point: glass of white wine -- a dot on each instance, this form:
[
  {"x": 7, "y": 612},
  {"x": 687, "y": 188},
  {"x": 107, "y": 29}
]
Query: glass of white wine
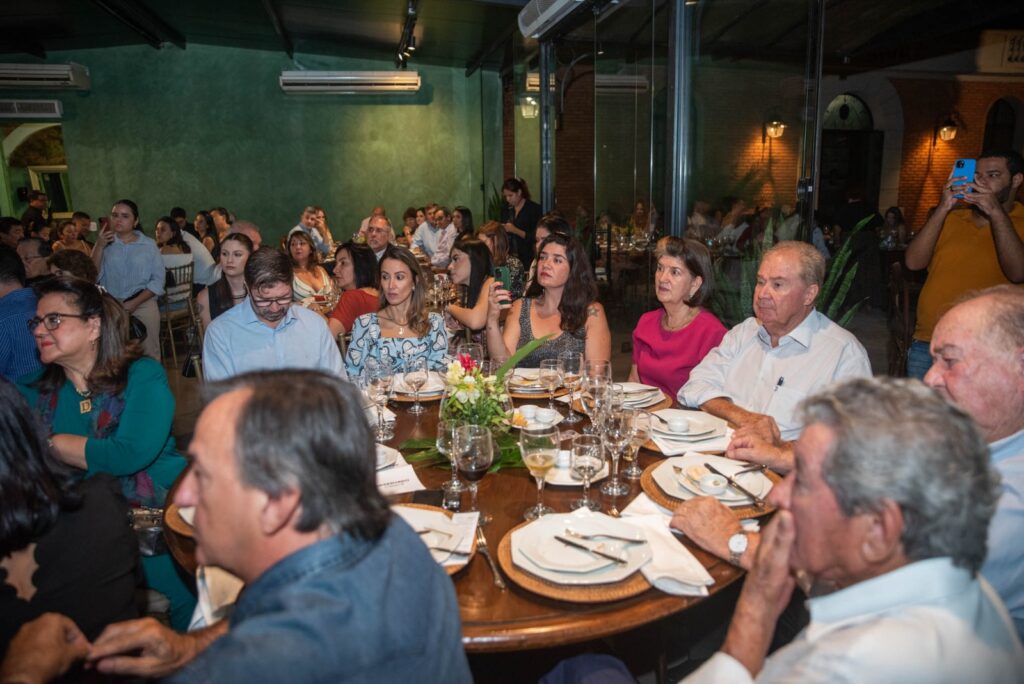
[
  {"x": 617, "y": 428},
  {"x": 587, "y": 461},
  {"x": 642, "y": 423},
  {"x": 416, "y": 377},
  {"x": 539, "y": 447},
  {"x": 550, "y": 376},
  {"x": 572, "y": 374}
]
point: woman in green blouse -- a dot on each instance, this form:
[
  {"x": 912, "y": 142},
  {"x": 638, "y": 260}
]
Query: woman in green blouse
[{"x": 107, "y": 407}]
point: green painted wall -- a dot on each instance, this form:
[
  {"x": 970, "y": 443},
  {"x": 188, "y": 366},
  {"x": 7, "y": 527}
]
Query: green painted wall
[{"x": 209, "y": 126}]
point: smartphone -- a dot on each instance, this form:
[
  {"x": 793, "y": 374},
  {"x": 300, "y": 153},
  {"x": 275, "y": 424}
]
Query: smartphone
[
  {"x": 966, "y": 168},
  {"x": 504, "y": 276}
]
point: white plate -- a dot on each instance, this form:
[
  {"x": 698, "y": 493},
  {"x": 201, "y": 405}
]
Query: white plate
[
  {"x": 691, "y": 439},
  {"x": 188, "y": 514},
  {"x": 529, "y": 536},
  {"x": 386, "y": 456},
  {"x": 656, "y": 398},
  {"x": 566, "y": 477},
  {"x": 701, "y": 424},
  {"x": 672, "y": 484},
  {"x": 551, "y": 554},
  {"x": 433, "y": 386},
  {"x": 586, "y": 521},
  {"x": 442, "y": 532}
]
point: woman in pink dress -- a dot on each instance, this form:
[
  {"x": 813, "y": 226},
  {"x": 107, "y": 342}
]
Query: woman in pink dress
[{"x": 668, "y": 342}]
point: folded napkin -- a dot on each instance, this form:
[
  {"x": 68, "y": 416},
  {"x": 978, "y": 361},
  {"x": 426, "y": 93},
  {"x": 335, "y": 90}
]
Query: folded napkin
[
  {"x": 673, "y": 569},
  {"x": 398, "y": 480},
  {"x": 462, "y": 527},
  {"x": 371, "y": 415},
  {"x": 672, "y": 448},
  {"x": 217, "y": 591},
  {"x": 644, "y": 505}
]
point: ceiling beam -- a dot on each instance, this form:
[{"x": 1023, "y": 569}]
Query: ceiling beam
[
  {"x": 729, "y": 25},
  {"x": 150, "y": 26},
  {"x": 275, "y": 19}
]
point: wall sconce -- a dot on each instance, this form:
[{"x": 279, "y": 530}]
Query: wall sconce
[
  {"x": 529, "y": 107},
  {"x": 772, "y": 129},
  {"x": 946, "y": 129}
]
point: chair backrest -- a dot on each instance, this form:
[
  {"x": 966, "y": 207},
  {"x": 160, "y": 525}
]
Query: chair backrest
[
  {"x": 179, "y": 280},
  {"x": 901, "y": 320},
  {"x": 342, "y": 343}
]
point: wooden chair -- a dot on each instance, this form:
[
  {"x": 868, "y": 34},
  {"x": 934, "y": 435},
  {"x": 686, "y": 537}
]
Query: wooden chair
[
  {"x": 177, "y": 308},
  {"x": 343, "y": 343}
]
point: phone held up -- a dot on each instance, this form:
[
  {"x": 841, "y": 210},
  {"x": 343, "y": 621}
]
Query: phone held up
[
  {"x": 504, "y": 276},
  {"x": 965, "y": 168}
]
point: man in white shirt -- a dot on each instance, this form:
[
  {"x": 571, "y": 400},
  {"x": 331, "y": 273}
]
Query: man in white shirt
[
  {"x": 888, "y": 524},
  {"x": 266, "y": 331},
  {"x": 436, "y": 238},
  {"x": 378, "y": 212},
  {"x": 204, "y": 268},
  {"x": 768, "y": 363}
]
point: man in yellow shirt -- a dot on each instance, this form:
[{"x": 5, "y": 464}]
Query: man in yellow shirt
[{"x": 968, "y": 248}]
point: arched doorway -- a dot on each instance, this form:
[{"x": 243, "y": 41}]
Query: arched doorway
[
  {"x": 1003, "y": 130},
  {"x": 851, "y": 154}
]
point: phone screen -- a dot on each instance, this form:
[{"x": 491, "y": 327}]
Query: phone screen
[{"x": 965, "y": 168}]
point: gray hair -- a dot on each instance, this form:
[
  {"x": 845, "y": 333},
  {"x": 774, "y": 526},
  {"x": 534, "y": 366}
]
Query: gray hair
[
  {"x": 896, "y": 440},
  {"x": 306, "y": 430},
  {"x": 812, "y": 264},
  {"x": 1005, "y": 310},
  {"x": 267, "y": 267}
]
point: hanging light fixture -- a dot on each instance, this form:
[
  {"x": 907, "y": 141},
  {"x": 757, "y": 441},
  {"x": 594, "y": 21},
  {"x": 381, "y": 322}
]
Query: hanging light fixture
[
  {"x": 947, "y": 131},
  {"x": 775, "y": 128},
  {"x": 529, "y": 107}
]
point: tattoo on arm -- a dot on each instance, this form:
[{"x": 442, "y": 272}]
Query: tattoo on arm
[{"x": 592, "y": 310}]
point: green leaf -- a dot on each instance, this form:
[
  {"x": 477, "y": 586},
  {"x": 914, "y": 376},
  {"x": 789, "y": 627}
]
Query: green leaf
[
  {"x": 521, "y": 354},
  {"x": 419, "y": 443}
]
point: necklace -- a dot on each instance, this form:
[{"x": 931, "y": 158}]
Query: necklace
[
  {"x": 84, "y": 406},
  {"x": 238, "y": 296},
  {"x": 685, "y": 322},
  {"x": 401, "y": 326}
]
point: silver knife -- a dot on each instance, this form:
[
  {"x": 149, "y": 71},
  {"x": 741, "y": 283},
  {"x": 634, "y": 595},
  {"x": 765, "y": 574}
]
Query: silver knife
[
  {"x": 596, "y": 552},
  {"x": 758, "y": 501}
]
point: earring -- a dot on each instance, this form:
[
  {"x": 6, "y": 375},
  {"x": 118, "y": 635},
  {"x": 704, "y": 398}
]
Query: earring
[{"x": 92, "y": 344}]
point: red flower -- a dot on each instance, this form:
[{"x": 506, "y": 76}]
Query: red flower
[{"x": 467, "y": 362}]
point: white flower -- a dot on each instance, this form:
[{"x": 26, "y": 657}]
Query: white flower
[{"x": 462, "y": 396}]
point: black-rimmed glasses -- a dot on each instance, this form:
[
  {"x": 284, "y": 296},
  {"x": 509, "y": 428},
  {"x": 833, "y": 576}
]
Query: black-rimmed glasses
[
  {"x": 51, "y": 321},
  {"x": 280, "y": 301}
]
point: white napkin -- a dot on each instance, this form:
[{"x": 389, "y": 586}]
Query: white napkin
[
  {"x": 644, "y": 505},
  {"x": 217, "y": 591},
  {"x": 461, "y": 525},
  {"x": 673, "y": 569},
  {"x": 371, "y": 415},
  {"x": 707, "y": 445},
  {"x": 398, "y": 480}
]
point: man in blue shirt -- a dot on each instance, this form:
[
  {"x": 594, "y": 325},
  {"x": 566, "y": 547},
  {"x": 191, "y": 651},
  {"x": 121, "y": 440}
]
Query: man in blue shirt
[
  {"x": 18, "y": 353},
  {"x": 266, "y": 331},
  {"x": 309, "y": 224},
  {"x": 338, "y": 589}
]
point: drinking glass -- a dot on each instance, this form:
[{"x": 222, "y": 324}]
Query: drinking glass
[
  {"x": 572, "y": 374},
  {"x": 550, "y": 375},
  {"x": 445, "y": 440},
  {"x": 474, "y": 454},
  {"x": 596, "y": 375},
  {"x": 539, "y": 447},
  {"x": 416, "y": 377},
  {"x": 594, "y": 399},
  {"x": 617, "y": 427},
  {"x": 587, "y": 461},
  {"x": 642, "y": 423},
  {"x": 377, "y": 379},
  {"x": 473, "y": 350}
]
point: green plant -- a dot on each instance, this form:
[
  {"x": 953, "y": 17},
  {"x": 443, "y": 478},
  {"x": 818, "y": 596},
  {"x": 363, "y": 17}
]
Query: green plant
[{"x": 831, "y": 299}]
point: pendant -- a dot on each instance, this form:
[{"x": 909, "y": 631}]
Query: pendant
[{"x": 85, "y": 406}]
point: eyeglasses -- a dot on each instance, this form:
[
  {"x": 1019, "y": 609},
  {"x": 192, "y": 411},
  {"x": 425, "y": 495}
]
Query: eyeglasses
[
  {"x": 51, "y": 321},
  {"x": 280, "y": 301}
]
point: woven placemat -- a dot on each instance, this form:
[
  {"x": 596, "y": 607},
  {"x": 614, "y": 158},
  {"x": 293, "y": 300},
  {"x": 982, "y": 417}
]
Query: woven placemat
[
  {"x": 450, "y": 569},
  {"x": 409, "y": 398},
  {"x": 177, "y": 524},
  {"x": 658, "y": 495},
  {"x": 536, "y": 396},
  {"x": 633, "y": 585}
]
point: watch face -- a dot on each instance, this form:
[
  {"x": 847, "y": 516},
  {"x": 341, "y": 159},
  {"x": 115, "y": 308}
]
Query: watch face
[{"x": 738, "y": 543}]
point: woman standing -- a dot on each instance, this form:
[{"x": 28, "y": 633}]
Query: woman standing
[
  {"x": 230, "y": 287},
  {"x": 311, "y": 280},
  {"x": 107, "y": 408},
  {"x": 561, "y": 302},
  {"x": 131, "y": 270},
  {"x": 402, "y": 330},
  {"x": 520, "y": 218},
  {"x": 669, "y": 342},
  {"x": 355, "y": 275}
]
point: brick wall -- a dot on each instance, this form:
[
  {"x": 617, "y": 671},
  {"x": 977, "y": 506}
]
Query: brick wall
[{"x": 925, "y": 103}]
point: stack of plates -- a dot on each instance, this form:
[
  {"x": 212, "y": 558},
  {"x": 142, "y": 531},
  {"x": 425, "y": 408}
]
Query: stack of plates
[
  {"x": 636, "y": 395},
  {"x": 434, "y": 387},
  {"x": 702, "y": 426},
  {"x": 536, "y": 550},
  {"x": 680, "y": 484},
  {"x": 526, "y": 381}
]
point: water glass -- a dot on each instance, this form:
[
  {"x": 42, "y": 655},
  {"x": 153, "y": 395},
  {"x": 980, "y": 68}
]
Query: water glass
[
  {"x": 445, "y": 446},
  {"x": 587, "y": 461},
  {"x": 572, "y": 375},
  {"x": 550, "y": 376},
  {"x": 474, "y": 453},
  {"x": 416, "y": 376},
  {"x": 473, "y": 350},
  {"x": 642, "y": 425},
  {"x": 539, "y": 447},
  {"x": 617, "y": 428}
]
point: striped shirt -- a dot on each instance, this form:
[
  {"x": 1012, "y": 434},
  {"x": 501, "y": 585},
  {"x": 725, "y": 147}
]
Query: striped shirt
[
  {"x": 128, "y": 267},
  {"x": 18, "y": 354}
]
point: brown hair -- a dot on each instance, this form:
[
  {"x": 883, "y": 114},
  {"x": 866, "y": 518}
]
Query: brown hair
[
  {"x": 314, "y": 254},
  {"x": 581, "y": 287},
  {"x": 499, "y": 240},
  {"x": 697, "y": 260},
  {"x": 419, "y": 321}
]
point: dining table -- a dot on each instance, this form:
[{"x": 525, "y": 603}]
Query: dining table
[{"x": 514, "y": 619}]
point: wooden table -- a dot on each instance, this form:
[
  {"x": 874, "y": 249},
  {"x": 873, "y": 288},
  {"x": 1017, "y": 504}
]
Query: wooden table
[{"x": 496, "y": 621}]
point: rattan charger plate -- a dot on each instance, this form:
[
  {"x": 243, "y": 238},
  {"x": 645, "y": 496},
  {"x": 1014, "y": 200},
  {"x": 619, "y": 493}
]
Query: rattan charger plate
[
  {"x": 411, "y": 398},
  {"x": 633, "y": 585},
  {"x": 177, "y": 524},
  {"x": 536, "y": 396},
  {"x": 664, "y": 500},
  {"x": 450, "y": 569}
]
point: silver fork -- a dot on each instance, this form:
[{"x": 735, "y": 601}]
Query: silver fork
[{"x": 481, "y": 546}]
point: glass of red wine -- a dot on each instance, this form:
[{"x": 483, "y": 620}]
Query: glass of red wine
[{"x": 474, "y": 453}]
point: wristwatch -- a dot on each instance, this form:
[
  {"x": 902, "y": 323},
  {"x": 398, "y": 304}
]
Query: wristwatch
[{"x": 737, "y": 546}]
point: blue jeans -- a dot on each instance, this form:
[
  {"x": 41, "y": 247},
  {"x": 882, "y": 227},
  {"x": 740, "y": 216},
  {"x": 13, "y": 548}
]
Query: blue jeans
[{"x": 919, "y": 359}]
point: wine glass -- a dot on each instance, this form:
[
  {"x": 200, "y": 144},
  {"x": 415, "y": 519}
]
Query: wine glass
[
  {"x": 594, "y": 399},
  {"x": 378, "y": 377},
  {"x": 617, "y": 428},
  {"x": 445, "y": 440},
  {"x": 572, "y": 374},
  {"x": 596, "y": 376},
  {"x": 473, "y": 350},
  {"x": 474, "y": 454},
  {"x": 642, "y": 424},
  {"x": 539, "y": 447},
  {"x": 550, "y": 376},
  {"x": 587, "y": 461},
  {"x": 416, "y": 377}
]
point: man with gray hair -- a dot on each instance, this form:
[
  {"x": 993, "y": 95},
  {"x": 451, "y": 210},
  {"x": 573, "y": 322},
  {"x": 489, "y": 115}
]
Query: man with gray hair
[
  {"x": 788, "y": 350},
  {"x": 379, "y": 234},
  {"x": 337, "y": 587},
  {"x": 885, "y": 514},
  {"x": 978, "y": 364},
  {"x": 267, "y": 330}
]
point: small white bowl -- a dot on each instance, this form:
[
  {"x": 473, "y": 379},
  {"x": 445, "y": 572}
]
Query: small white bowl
[
  {"x": 678, "y": 425},
  {"x": 713, "y": 484},
  {"x": 563, "y": 459},
  {"x": 546, "y": 416},
  {"x": 528, "y": 411}
]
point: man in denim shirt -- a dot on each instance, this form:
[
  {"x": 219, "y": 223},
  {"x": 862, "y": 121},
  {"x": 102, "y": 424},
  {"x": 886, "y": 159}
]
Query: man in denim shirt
[{"x": 337, "y": 588}]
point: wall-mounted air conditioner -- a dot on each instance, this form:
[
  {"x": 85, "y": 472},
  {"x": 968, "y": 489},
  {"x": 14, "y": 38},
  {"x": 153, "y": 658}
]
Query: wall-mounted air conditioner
[
  {"x": 30, "y": 109},
  {"x": 61, "y": 76},
  {"x": 349, "y": 82},
  {"x": 539, "y": 17}
]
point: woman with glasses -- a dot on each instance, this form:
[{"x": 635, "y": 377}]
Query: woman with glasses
[
  {"x": 229, "y": 289},
  {"x": 403, "y": 329},
  {"x": 108, "y": 408}
]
